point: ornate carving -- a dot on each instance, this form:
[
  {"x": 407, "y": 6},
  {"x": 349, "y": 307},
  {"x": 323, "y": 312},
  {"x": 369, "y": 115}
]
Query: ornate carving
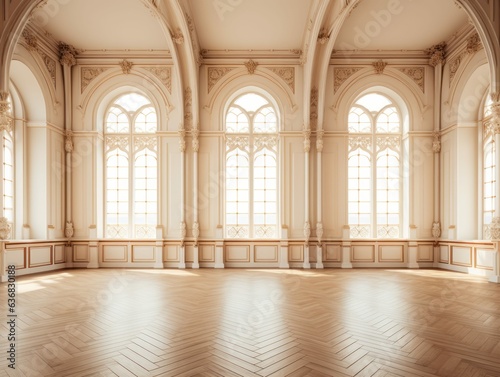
[
  {"x": 379, "y": 66},
  {"x": 5, "y": 228},
  {"x": 319, "y": 231},
  {"x": 88, "y": 74},
  {"x": 307, "y": 230},
  {"x": 50, "y": 64},
  {"x": 436, "y": 229},
  {"x": 437, "y": 54},
  {"x": 182, "y": 139},
  {"x": 341, "y": 75},
  {"x": 303, "y": 56},
  {"x": 68, "y": 142},
  {"x": 126, "y": 66},
  {"x": 314, "y": 107},
  {"x": 436, "y": 143},
  {"x": 307, "y": 139},
  {"x": 117, "y": 142},
  {"x": 145, "y": 142},
  {"x": 319, "y": 140},
  {"x": 473, "y": 44},
  {"x": 495, "y": 110},
  {"x": 5, "y": 118},
  {"x": 30, "y": 39},
  {"x": 363, "y": 142},
  {"x": 67, "y": 54},
  {"x": 323, "y": 36},
  {"x": 69, "y": 231},
  {"x": 188, "y": 104},
  {"x": 215, "y": 74},
  {"x": 391, "y": 142},
  {"x": 233, "y": 142},
  {"x": 196, "y": 231},
  {"x": 265, "y": 142},
  {"x": 196, "y": 140},
  {"x": 178, "y": 37},
  {"x": 164, "y": 74},
  {"x": 454, "y": 65},
  {"x": 183, "y": 230},
  {"x": 417, "y": 74},
  {"x": 495, "y": 229},
  {"x": 251, "y": 66},
  {"x": 286, "y": 73}
]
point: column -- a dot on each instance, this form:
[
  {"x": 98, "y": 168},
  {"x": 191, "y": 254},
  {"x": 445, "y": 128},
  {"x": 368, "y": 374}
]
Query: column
[
  {"x": 495, "y": 224},
  {"x": 5, "y": 125},
  {"x": 307, "y": 226},
  {"x": 437, "y": 61},
  {"x": 182, "y": 149},
  {"x": 319, "y": 225},
  {"x": 196, "y": 225},
  {"x": 4, "y": 234}
]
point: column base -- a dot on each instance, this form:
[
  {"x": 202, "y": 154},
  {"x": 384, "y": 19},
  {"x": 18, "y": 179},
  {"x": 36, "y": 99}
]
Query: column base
[
  {"x": 494, "y": 279},
  {"x": 319, "y": 258}
]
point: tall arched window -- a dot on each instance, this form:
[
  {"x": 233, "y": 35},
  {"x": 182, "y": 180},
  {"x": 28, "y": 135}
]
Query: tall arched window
[
  {"x": 251, "y": 168},
  {"x": 131, "y": 168},
  {"x": 374, "y": 168},
  {"x": 8, "y": 169},
  {"x": 489, "y": 181}
]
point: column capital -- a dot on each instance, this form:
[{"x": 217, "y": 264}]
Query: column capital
[
  {"x": 437, "y": 54},
  {"x": 67, "y": 54},
  {"x": 307, "y": 139},
  {"x": 436, "y": 143},
  {"x": 5, "y": 228},
  {"x": 5, "y": 118}
]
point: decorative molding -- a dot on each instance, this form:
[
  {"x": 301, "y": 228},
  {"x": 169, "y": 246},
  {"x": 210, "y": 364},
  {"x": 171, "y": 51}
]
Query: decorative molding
[
  {"x": 182, "y": 139},
  {"x": 285, "y": 73},
  {"x": 30, "y": 39},
  {"x": 68, "y": 142},
  {"x": 164, "y": 74},
  {"x": 234, "y": 141},
  {"x": 265, "y": 142},
  {"x": 319, "y": 231},
  {"x": 494, "y": 229},
  {"x": 314, "y": 108},
  {"x": 214, "y": 74},
  {"x": 454, "y": 65},
  {"x": 307, "y": 139},
  {"x": 196, "y": 231},
  {"x": 5, "y": 228},
  {"x": 437, "y": 54},
  {"x": 67, "y": 54},
  {"x": 436, "y": 229},
  {"x": 303, "y": 56},
  {"x": 183, "y": 231},
  {"x": 188, "y": 105},
  {"x": 5, "y": 119},
  {"x": 307, "y": 230},
  {"x": 117, "y": 142},
  {"x": 495, "y": 109},
  {"x": 251, "y": 66},
  {"x": 473, "y": 44},
  {"x": 126, "y": 66},
  {"x": 417, "y": 74},
  {"x": 87, "y": 74},
  {"x": 196, "y": 140},
  {"x": 363, "y": 142},
  {"x": 177, "y": 36},
  {"x": 340, "y": 75},
  {"x": 323, "y": 36},
  {"x": 436, "y": 143},
  {"x": 50, "y": 64},
  {"x": 379, "y": 66},
  {"x": 145, "y": 142},
  {"x": 388, "y": 142},
  {"x": 319, "y": 140},
  {"x": 69, "y": 231}
]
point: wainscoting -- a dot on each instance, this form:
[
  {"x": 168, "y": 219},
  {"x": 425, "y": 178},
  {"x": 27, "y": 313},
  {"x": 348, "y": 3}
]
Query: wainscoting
[{"x": 476, "y": 258}]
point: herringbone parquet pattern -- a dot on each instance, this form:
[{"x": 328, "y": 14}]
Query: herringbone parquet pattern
[{"x": 255, "y": 323}]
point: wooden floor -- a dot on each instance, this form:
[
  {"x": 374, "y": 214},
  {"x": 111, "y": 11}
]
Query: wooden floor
[{"x": 255, "y": 323}]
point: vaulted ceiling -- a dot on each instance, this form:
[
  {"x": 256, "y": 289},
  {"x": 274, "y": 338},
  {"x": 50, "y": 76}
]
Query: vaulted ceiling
[{"x": 222, "y": 25}]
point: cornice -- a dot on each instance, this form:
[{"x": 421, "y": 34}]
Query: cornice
[
  {"x": 228, "y": 55},
  {"x": 457, "y": 42},
  {"x": 368, "y": 56}
]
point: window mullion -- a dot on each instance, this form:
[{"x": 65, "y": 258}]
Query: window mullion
[
  {"x": 251, "y": 154},
  {"x": 374, "y": 155},
  {"x": 131, "y": 185}
]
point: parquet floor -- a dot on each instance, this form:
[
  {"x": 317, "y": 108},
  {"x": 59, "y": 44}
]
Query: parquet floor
[{"x": 255, "y": 323}]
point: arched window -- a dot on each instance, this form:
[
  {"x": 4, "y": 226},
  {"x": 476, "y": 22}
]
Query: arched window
[
  {"x": 251, "y": 168},
  {"x": 374, "y": 168},
  {"x": 489, "y": 168},
  {"x": 131, "y": 168},
  {"x": 8, "y": 169}
]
